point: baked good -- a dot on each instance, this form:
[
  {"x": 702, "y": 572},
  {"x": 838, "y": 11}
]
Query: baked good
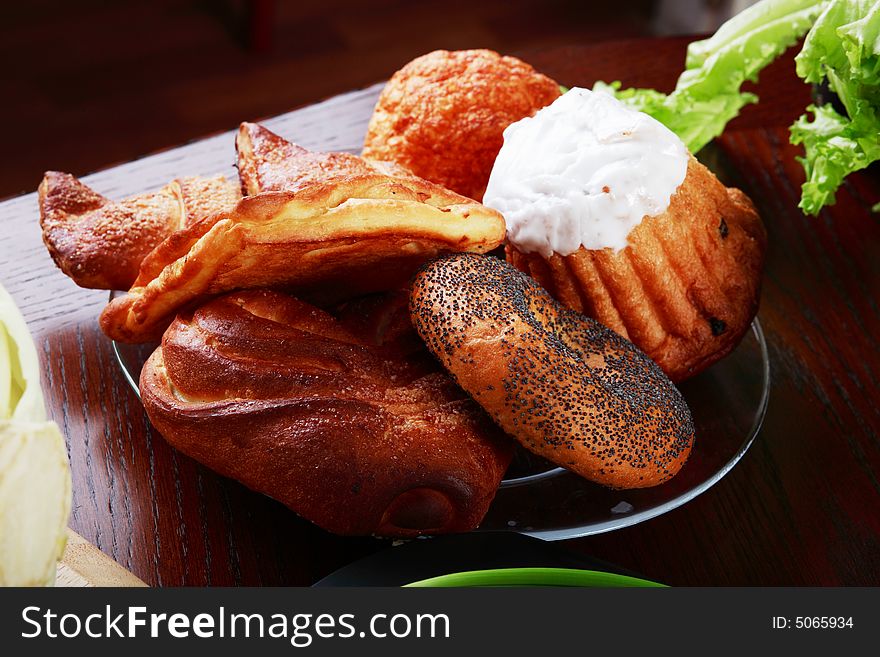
[
  {"x": 442, "y": 115},
  {"x": 100, "y": 243},
  {"x": 687, "y": 287},
  {"x": 334, "y": 240},
  {"x": 270, "y": 163},
  {"x": 608, "y": 211},
  {"x": 205, "y": 196},
  {"x": 566, "y": 387},
  {"x": 340, "y": 421}
]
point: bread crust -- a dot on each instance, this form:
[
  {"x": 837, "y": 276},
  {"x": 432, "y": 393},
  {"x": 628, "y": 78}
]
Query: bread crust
[
  {"x": 97, "y": 242},
  {"x": 442, "y": 115},
  {"x": 334, "y": 240},
  {"x": 566, "y": 387},
  {"x": 349, "y": 423},
  {"x": 101, "y": 243},
  {"x": 270, "y": 163},
  {"x": 686, "y": 288}
]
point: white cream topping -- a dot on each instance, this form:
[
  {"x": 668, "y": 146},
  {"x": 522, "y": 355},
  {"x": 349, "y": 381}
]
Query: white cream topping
[{"x": 583, "y": 171}]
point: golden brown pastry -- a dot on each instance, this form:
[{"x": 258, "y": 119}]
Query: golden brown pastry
[
  {"x": 100, "y": 243},
  {"x": 686, "y": 288},
  {"x": 349, "y": 427},
  {"x": 442, "y": 115},
  {"x": 269, "y": 163},
  {"x": 566, "y": 387},
  {"x": 334, "y": 240},
  {"x": 203, "y": 197}
]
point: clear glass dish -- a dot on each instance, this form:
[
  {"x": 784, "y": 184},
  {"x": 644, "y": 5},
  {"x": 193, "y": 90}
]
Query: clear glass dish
[{"x": 728, "y": 402}]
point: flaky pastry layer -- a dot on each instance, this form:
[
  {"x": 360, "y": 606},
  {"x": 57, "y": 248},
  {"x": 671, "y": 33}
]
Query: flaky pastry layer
[{"x": 330, "y": 241}]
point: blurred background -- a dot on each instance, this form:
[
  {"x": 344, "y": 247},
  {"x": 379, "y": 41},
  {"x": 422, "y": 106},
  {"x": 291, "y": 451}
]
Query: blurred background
[{"x": 91, "y": 83}]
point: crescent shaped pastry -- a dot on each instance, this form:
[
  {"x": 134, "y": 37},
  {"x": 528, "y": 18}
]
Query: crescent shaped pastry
[
  {"x": 330, "y": 241},
  {"x": 101, "y": 243},
  {"x": 270, "y": 163}
]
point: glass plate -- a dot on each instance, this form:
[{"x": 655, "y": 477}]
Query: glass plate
[{"x": 728, "y": 402}]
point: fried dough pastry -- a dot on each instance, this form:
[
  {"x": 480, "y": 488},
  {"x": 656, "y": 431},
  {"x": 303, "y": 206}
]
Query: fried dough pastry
[
  {"x": 442, "y": 115},
  {"x": 686, "y": 288},
  {"x": 269, "y": 163},
  {"x": 100, "y": 243},
  {"x": 345, "y": 424},
  {"x": 333, "y": 240}
]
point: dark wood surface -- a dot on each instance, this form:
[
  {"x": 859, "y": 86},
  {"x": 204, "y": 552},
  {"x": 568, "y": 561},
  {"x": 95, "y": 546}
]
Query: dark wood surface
[
  {"x": 802, "y": 507},
  {"x": 160, "y": 71}
]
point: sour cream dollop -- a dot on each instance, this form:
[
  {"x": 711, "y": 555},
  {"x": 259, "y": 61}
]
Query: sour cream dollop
[{"x": 583, "y": 172}]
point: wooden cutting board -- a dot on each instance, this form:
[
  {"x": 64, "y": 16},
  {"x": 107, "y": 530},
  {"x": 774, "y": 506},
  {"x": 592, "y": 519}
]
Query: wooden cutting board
[{"x": 85, "y": 565}]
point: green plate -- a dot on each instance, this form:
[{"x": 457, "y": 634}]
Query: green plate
[{"x": 533, "y": 577}]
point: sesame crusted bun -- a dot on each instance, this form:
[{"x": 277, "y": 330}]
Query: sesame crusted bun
[{"x": 563, "y": 385}]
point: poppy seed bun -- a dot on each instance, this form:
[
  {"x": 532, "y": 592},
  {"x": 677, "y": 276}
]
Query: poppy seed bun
[{"x": 563, "y": 385}]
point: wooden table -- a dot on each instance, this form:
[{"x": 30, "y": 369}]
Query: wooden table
[{"x": 802, "y": 508}]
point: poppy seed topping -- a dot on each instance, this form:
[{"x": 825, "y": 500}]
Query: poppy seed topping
[{"x": 566, "y": 387}]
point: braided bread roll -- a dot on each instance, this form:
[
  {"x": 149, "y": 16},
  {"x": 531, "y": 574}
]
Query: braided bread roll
[{"x": 348, "y": 422}]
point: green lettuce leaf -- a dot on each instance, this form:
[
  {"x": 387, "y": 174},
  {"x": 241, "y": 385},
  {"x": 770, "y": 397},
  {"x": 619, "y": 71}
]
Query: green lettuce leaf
[
  {"x": 843, "y": 48},
  {"x": 707, "y": 95}
]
